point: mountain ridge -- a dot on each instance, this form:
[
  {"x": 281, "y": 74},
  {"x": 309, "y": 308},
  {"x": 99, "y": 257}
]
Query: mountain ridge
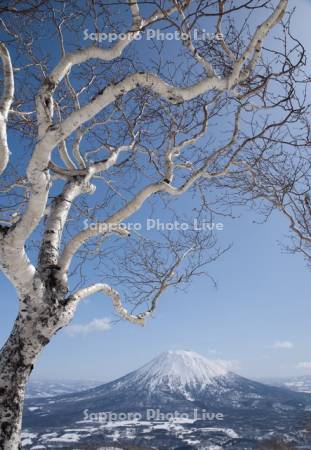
[
  {"x": 175, "y": 384},
  {"x": 174, "y": 379}
]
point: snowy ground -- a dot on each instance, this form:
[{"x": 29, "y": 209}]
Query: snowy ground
[
  {"x": 116, "y": 431},
  {"x": 175, "y": 433}
]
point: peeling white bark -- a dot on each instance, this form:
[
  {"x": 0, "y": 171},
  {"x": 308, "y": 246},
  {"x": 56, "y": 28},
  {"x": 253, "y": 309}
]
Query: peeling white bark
[
  {"x": 15, "y": 263},
  {"x": 5, "y": 105},
  {"x": 116, "y": 300},
  {"x": 95, "y": 52}
]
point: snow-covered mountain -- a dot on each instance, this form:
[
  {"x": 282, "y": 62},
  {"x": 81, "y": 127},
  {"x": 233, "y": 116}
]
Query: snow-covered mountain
[
  {"x": 175, "y": 382},
  {"x": 175, "y": 370},
  {"x": 299, "y": 384},
  {"x": 49, "y": 388},
  {"x": 179, "y": 371}
]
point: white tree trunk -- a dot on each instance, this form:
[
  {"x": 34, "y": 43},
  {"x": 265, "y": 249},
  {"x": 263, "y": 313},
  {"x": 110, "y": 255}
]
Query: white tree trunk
[
  {"x": 32, "y": 331},
  {"x": 15, "y": 368}
]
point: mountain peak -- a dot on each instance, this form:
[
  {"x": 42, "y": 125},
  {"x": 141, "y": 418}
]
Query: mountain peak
[{"x": 180, "y": 369}]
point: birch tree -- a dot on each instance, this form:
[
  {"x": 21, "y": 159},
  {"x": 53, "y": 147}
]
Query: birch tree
[{"x": 94, "y": 131}]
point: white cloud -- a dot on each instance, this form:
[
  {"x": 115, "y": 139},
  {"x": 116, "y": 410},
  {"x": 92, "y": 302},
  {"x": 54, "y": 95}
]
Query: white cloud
[
  {"x": 283, "y": 344},
  {"x": 95, "y": 325},
  {"x": 304, "y": 365}
]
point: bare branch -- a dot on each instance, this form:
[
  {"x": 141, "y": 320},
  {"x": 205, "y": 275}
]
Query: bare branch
[{"x": 5, "y": 105}]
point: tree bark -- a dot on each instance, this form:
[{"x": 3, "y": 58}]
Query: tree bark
[
  {"x": 37, "y": 321},
  {"x": 16, "y": 362}
]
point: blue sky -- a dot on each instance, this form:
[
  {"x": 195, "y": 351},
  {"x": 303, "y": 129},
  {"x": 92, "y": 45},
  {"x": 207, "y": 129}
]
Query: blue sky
[
  {"x": 262, "y": 298},
  {"x": 258, "y": 317}
]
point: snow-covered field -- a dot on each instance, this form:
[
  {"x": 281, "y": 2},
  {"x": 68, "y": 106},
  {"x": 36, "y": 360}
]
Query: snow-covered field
[{"x": 128, "y": 430}]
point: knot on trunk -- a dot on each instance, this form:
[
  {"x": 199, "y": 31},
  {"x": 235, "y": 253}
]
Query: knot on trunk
[
  {"x": 55, "y": 286},
  {"x": 4, "y": 230}
]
